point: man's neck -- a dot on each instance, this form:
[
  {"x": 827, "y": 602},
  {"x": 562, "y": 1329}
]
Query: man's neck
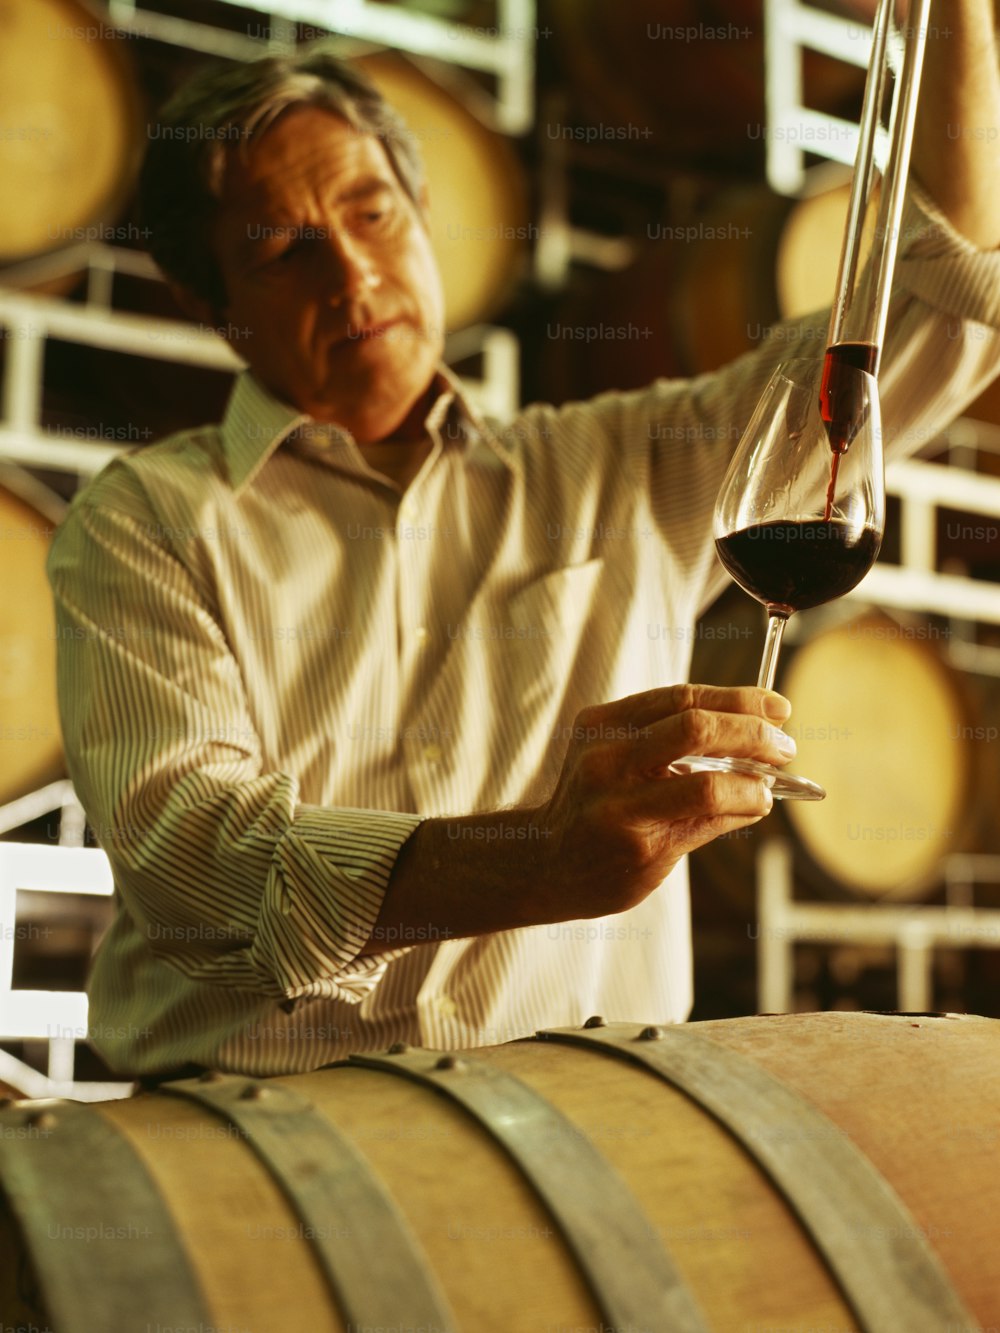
[
  {"x": 399, "y": 460},
  {"x": 401, "y": 455}
]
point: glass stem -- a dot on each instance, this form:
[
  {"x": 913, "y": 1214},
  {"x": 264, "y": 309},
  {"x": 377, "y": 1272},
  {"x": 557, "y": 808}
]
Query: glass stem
[{"x": 769, "y": 662}]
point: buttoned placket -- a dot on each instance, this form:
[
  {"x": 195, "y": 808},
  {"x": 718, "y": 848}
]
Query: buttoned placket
[
  {"x": 420, "y": 648},
  {"x": 412, "y": 534}
]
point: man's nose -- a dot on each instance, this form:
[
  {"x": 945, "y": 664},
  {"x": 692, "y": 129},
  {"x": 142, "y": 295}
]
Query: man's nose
[{"x": 350, "y": 269}]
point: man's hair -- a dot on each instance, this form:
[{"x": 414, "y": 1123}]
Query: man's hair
[{"x": 216, "y": 114}]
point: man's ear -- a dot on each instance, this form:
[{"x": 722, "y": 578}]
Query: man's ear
[{"x": 424, "y": 206}]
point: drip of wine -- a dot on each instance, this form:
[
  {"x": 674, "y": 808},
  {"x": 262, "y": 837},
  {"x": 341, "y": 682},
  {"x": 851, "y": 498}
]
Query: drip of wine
[
  {"x": 790, "y": 566},
  {"x": 840, "y": 403}
]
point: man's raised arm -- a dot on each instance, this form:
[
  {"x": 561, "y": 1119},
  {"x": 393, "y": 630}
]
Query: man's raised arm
[{"x": 956, "y": 146}]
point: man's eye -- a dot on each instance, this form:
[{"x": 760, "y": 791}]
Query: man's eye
[
  {"x": 372, "y": 219},
  {"x": 277, "y": 258}
]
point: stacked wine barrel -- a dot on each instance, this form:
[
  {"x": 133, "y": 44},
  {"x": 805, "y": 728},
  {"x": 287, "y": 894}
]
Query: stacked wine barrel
[{"x": 834, "y": 1171}]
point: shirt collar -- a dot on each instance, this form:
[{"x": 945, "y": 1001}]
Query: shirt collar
[{"x": 256, "y": 423}]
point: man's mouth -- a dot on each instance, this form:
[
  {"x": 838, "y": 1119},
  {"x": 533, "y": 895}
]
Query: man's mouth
[{"x": 373, "y": 331}]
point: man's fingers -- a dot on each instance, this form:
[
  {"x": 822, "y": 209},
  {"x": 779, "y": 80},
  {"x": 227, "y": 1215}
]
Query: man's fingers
[
  {"x": 701, "y": 796},
  {"x": 652, "y": 706},
  {"x": 699, "y": 832},
  {"x": 700, "y": 731},
  {"x": 739, "y": 699}
]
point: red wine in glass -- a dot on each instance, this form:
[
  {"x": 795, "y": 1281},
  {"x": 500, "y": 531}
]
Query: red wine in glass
[{"x": 793, "y": 565}]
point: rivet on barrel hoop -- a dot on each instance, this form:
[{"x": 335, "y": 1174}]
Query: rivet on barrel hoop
[
  {"x": 43, "y": 1120},
  {"x": 595, "y": 1022},
  {"x": 210, "y": 1076},
  {"x": 652, "y": 1033},
  {"x": 253, "y": 1092},
  {"x": 450, "y": 1062},
  {"x": 398, "y": 1048}
]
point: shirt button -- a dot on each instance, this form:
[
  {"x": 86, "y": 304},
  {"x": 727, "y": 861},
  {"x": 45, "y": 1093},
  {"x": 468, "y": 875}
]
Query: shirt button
[
  {"x": 445, "y": 1006},
  {"x": 421, "y": 634},
  {"x": 432, "y": 753}
]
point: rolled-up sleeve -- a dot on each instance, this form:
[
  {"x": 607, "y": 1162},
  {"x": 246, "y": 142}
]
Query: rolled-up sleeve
[{"x": 227, "y": 875}]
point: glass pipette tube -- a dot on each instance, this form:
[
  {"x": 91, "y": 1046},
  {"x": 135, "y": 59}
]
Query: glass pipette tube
[{"x": 861, "y": 305}]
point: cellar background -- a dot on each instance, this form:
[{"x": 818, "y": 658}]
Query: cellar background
[{"x": 629, "y": 232}]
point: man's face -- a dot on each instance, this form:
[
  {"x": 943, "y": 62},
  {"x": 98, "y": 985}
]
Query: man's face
[{"x": 333, "y": 294}]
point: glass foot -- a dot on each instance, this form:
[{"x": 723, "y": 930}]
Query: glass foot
[{"x": 784, "y": 786}]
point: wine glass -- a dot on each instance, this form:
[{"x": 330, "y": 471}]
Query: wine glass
[{"x": 801, "y": 512}]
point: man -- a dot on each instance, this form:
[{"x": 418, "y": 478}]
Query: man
[{"x": 297, "y": 650}]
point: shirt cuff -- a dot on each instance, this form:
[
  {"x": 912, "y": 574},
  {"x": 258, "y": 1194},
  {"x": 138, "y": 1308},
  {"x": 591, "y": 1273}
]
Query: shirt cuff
[
  {"x": 324, "y": 893},
  {"x": 942, "y": 268}
]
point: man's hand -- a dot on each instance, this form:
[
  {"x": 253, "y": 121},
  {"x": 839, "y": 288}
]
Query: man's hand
[
  {"x": 614, "y": 827},
  {"x": 619, "y": 822}
]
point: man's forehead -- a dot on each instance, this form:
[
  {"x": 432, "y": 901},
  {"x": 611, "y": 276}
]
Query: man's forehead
[{"x": 306, "y": 151}]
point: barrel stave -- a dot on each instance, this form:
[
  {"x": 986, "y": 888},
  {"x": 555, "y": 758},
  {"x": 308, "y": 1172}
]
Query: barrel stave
[
  {"x": 917, "y": 1094},
  {"x": 491, "y": 1242},
  {"x": 716, "y": 1212},
  {"x": 241, "y": 1236}
]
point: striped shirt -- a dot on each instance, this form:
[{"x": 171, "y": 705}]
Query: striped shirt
[{"x": 273, "y": 664}]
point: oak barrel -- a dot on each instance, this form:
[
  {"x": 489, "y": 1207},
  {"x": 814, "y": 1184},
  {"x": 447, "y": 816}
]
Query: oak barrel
[
  {"x": 703, "y": 290},
  {"x": 885, "y": 725},
  {"x": 70, "y": 129},
  {"x": 683, "y": 81},
  {"x": 30, "y": 736},
  {"x": 835, "y": 1171},
  {"x": 479, "y": 220}
]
